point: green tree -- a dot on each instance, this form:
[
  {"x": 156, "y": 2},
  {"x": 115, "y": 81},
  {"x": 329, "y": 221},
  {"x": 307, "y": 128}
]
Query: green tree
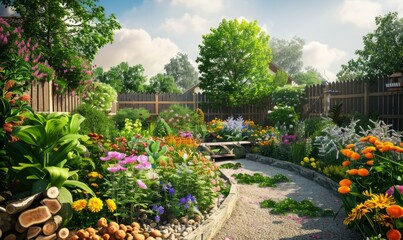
[
  {"x": 123, "y": 78},
  {"x": 382, "y": 53},
  {"x": 181, "y": 69},
  {"x": 287, "y": 54},
  {"x": 70, "y": 32},
  {"x": 162, "y": 83},
  {"x": 310, "y": 76},
  {"x": 280, "y": 78},
  {"x": 233, "y": 63}
]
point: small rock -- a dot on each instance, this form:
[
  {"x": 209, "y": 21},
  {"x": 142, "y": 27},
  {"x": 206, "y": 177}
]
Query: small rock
[
  {"x": 164, "y": 231},
  {"x": 191, "y": 222},
  {"x": 135, "y": 225},
  {"x": 183, "y": 220},
  {"x": 150, "y": 238},
  {"x": 153, "y": 225},
  {"x": 175, "y": 221},
  {"x": 184, "y": 234},
  {"x": 137, "y": 236},
  {"x": 165, "y": 235},
  {"x": 189, "y": 229},
  {"x": 197, "y": 218},
  {"x": 155, "y": 233},
  {"x": 158, "y": 238}
]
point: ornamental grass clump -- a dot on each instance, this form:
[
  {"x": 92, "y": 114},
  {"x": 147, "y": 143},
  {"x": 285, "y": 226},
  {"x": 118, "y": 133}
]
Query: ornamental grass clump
[{"x": 372, "y": 190}]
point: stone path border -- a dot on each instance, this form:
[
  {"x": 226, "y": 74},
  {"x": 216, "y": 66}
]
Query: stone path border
[{"x": 214, "y": 223}]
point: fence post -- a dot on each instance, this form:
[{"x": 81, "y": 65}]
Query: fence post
[
  {"x": 366, "y": 99},
  {"x": 326, "y": 100},
  {"x": 156, "y": 104},
  {"x": 50, "y": 96}
]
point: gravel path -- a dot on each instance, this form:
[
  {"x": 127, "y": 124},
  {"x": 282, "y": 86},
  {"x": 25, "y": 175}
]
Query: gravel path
[{"x": 248, "y": 221}]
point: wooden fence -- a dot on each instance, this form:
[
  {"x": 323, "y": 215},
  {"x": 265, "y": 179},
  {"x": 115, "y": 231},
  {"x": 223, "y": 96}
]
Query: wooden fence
[
  {"x": 367, "y": 98},
  {"x": 44, "y": 100}
]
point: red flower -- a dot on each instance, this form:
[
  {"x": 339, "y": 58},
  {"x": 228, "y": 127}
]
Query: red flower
[
  {"x": 25, "y": 97},
  {"x": 8, "y": 127}
]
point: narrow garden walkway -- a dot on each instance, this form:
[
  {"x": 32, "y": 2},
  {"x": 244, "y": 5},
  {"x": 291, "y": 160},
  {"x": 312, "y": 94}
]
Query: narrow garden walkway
[{"x": 249, "y": 221}]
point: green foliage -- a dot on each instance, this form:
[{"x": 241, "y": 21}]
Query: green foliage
[
  {"x": 303, "y": 208},
  {"x": 131, "y": 128},
  {"x": 101, "y": 96},
  {"x": 69, "y": 34},
  {"x": 179, "y": 118},
  {"x": 280, "y": 79},
  {"x": 200, "y": 116},
  {"x": 315, "y": 125},
  {"x": 284, "y": 118},
  {"x": 382, "y": 53},
  {"x": 130, "y": 113},
  {"x": 263, "y": 181},
  {"x": 162, "y": 128},
  {"x": 298, "y": 150},
  {"x": 287, "y": 54},
  {"x": 124, "y": 78},
  {"x": 180, "y": 68},
  {"x": 162, "y": 83},
  {"x": 47, "y": 149},
  {"x": 231, "y": 166},
  {"x": 233, "y": 63},
  {"x": 310, "y": 76},
  {"x": 335, "y": 172},
  {"x": 289, "y": 95},
  {"x": 96, "y": 121}
]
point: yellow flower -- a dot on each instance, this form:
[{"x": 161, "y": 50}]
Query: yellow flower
[
  {"x": 313, "y": 164},
  {"x": 79, "y": 205},
  {"x": 312, "y": 159},
  {"x": 95, "y": 204},
  {"x": 93, "y": 175},
  {"x": 111, "y": 205},
  {"x": 306, "y": 159},
  {"x": 94, "y": 185},
  {"x": 380, "y": 201},
  {"x": 384, "y": 220}
]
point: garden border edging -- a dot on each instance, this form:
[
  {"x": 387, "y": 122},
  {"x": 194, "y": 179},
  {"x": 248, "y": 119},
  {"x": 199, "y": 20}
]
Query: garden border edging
[
  {"x": 214, "y": 223},
  {"x": 304, "y": 172}
]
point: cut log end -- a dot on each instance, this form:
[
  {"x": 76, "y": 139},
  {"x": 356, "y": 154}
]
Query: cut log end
[
  {"x": 52, "y": 225},
  {"x": 34, "y": 216},
  {"x": 63, "y": 233},
  {"x": 52, "y": 192},
  {"x": 53, "y": 204},
  {"x": 43, "y": 237},
  {"x": 33, "y": 232},
  {"x": 19, "y": 228}
]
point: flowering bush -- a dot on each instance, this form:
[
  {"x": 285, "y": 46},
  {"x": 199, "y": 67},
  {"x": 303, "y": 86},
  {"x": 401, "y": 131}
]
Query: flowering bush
[
  {"x": 371, "y": 192},
  {"x": 179, "y": 118},
  {"x": 230, "y": 129},
  {"x": 289, "y": 95},
  {"x": 284, "y": 118},
  {"x": 100, "y": 96}
]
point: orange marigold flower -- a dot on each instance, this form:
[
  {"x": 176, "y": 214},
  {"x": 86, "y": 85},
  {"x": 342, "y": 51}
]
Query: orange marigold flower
[
  {"x": 363, "y": 172},
  {"x": 345, "y": 182},
  {"x": 372, "y": 139},
  {"x": 25, "y": 97},
  {"x": 351, "y": 145},
  {"x": 393, "y": 234},
  {"x": 364, "y": 139},
  {"x": 346, "y": 163},
  {"x": 79, "y": 205},
  {"x": 343, "y": 190},
  {"x": 369, "y": 155},
  {"x": 353, "y": 171},
  {"x": 370, "y": 162},
  {"x": 368, "y": 149},
  {"x": 399, "y": 150},
  {"x": 401, "y": 144},
  {"x": 355, "y": 156},
  {"x": 395, "y": 211},
  {"x": 8, "y": 127}
]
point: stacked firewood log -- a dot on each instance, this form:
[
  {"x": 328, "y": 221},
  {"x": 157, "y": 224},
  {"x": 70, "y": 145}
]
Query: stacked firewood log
[{"x": 32, "y": 217}]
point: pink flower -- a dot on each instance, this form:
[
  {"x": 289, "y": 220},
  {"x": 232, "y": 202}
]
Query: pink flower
[
  {"x": 391, "y": 190},
  {"x": 143, "y": 163},
  {"x": 115, "y": 155},
  {"x": 130, "y": 159},
  {"x": 116, "y": 168},
  {"x": 141, "y": 184}
]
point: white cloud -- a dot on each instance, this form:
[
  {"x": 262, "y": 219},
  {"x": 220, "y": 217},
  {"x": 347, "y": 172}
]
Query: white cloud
[
  {"x": 321, "y": 57},
  {"x": 6, "y": 11},
  {"x": 396, "y": 6},
  {"x": 361, "y": 13},
  {"x": 185, "y": 24},
  {"x": 205, "y": 5},
  {"x": 136, "y": 46}
]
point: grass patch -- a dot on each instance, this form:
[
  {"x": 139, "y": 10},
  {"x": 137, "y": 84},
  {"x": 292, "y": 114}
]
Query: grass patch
[
  {"x": 263, "y": 181},
  {"x": 303, "y": 208},
  {"x": 231, "y": 166}
]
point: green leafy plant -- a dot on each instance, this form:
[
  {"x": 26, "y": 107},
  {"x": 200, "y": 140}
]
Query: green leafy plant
[
  {"x": 96, "y": 121},
  {"x": 179, "y": 118},
  {"x": 284, "y": 118},
  {"x": 288, "y": 205},
  {"x": 161, "y": 128},
  {"x": 46, "y": 151},
  {"x": 132, "y": 114},
  {"x": 290, "y": 95},
  {"x": 231, "y": 166},
  {"x": 263, "y": 181}
]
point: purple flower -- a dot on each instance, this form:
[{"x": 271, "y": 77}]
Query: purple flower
[
  {"x": 157, "y": 218},
  {"x": 171, "y": 191},
  {"x": 391, "y": 190},
  {"x": 158, "y": 209},
  {"x": 113, "y": 155},
  {"x": 186, "y": 201},
  {"x": 141, "y": 184}
]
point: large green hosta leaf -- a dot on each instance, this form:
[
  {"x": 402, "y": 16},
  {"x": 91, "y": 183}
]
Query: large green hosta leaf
[
  {"x": 58, "y": 175},
  {"x": 34, "y": 135}
]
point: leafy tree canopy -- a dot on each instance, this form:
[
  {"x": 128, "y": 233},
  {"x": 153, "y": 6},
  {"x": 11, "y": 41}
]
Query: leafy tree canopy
[
  {"x": 311, "y": 76},
  {"x": 382, "y": 53},
  {"x": 287, "y": 54},
  {"x": 280, "y": 78},
  {"x": 234, "y": 62},
  {"x": 184, "y": 74},
  {"x": 123, "y": 78},
  {"x": 162, "y": 83},
  {"x": 70, "y": 33}
]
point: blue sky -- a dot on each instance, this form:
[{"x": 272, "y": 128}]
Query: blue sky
[{"x": 154, "y": 31}]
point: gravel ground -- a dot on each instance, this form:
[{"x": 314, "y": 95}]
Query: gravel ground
[{"x": 248, "y": 221}]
